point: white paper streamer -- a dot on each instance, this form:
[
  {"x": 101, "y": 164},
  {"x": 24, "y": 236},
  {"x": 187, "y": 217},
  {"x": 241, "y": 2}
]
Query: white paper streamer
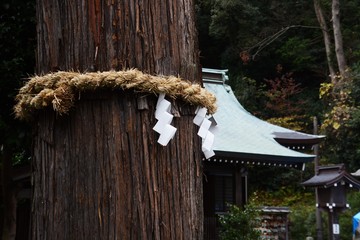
[
  {"x": 160, "y": 98},
  {"x": 164, "y": 117},
  {"x": 163, "y": 106},
  {"x": 204, "y": 128},
  {"x": 208, "y": 154},
  {"x": 207, "y": 126},
  {"x": 167, "y": 134},
  {"x": 200, "y": 115},
  {"x": 208, "y": 142}
]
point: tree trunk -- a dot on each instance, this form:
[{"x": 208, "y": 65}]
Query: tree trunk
[
  {"x": 99, "y": 172},
  {"x": 326, "y": 36},
  {"x": 339, "y": 51},
  {"x": 156, "y": 36}
]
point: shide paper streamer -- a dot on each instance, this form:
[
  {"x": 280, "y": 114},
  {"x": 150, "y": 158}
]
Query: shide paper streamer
[
  {"x": 167, "y": 131},
  {"x": 205, "y": 131},
  {"x": 164, "y": 117}
]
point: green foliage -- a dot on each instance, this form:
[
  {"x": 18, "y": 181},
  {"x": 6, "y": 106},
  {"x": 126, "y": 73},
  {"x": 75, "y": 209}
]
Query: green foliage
[
  {"x": 325, "y": 90},
  {"x": 225, "y": 16},
  {"x": 341, "y": 122},
  {"x": 249, "y": 93},
  {"x": 245, "y": 37},
  {"x": 296, "y": 50},
  {"x": 211, "y": 47},
  {"x": 302, "y": 221},
  {"x": 240, "y": 224},
  {"x": 283, "y": 196},
  {"x": 345, "y": 218},
  {"x": 280, "y": 187},
  {"x": 295, "y": 122}
]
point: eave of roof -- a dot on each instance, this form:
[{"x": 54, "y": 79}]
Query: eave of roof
[
  {"x": 328, "y": 176},
  {"x": 297, "y": 138},
  {"x": 271, "y": 209},
  {"x": 257, "y": 160}
]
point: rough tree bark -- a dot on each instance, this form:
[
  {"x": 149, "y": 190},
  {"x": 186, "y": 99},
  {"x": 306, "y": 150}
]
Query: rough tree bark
[
  {"x": 327, "y": 38},
  {"x": 99, "y": 172},
  {"x": 339, "y": 50}
]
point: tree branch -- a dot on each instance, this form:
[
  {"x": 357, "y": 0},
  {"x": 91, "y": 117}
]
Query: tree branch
[{"x": 267, "y": 41}]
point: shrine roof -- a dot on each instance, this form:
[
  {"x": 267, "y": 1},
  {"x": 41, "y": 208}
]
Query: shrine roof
[
  {"x": 333, "y": 175},
  {"x": 244, "y": 137}
]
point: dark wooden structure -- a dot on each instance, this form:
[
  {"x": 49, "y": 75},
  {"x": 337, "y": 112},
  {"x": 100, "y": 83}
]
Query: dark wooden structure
[
  {"x": 243, "y": 140},
  {"x": 332, "y": 183},
  {"x": 21, "y": 185},
  {"x": 274, "y": 223}
]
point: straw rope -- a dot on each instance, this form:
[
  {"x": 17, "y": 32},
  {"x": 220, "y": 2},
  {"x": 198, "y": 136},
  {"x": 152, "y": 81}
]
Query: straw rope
[{"x": 59, "y": 89}]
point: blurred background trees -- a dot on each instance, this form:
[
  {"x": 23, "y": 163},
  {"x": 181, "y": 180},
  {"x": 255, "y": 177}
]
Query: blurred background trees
[
  {"x": 276, "y": 53},
  {"x": 17, "y": 61},
  {"x": 289, "y": 61}
]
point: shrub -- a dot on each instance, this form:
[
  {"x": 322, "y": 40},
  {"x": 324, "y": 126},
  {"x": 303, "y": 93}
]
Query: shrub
[{"x": 240, "y": 224}]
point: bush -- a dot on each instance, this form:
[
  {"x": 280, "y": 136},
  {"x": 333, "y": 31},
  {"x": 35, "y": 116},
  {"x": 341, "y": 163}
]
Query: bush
[
  {"x": 240, "y": 224},
  {"x": 302, "y": 221}
]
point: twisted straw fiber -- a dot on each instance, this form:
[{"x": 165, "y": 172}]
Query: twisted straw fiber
[{"x": 58, "y": 89}]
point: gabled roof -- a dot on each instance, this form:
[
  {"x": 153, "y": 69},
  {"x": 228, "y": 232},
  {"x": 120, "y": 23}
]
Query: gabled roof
[
  {"x": 243, "y": 137},
  {"x": 327, "y": 176}
]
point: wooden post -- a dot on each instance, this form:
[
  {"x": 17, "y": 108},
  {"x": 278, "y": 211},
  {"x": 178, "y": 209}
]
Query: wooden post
[
  {"x": 334, "y": 228},
  {"x": 319, "y": 233},
  {"x": 241, "y": 187}
]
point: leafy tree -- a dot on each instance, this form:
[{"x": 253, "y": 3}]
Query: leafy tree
[
  {"x": 256, "y": 37},
  {"x": 288, "y": 33},
  {"x": 279, "y": 95},
  {"x": 302, "y": 221},
  {"x": 342, "y": 121},
  {"x": 264, "y": 34},
  {"x": 240, "y": 224},
  {"x": 297, "y": 51},
  {"x": 342, "y": 95}
]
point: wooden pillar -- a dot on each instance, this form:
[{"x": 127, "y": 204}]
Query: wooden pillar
[
  {"x": 319, "y": 230},
  {"x": 240, "y": 187},
  {"x": 334, "y": 227}
]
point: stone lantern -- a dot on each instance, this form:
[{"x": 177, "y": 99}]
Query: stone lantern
[{"x": 332, "y": 183}]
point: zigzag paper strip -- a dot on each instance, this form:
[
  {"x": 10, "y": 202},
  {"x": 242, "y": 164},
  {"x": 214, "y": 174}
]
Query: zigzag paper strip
[
  {"x": 204, "y": 131},
  {"x": 164, "y": 117}
]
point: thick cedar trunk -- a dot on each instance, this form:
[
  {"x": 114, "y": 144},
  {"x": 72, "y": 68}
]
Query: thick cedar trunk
[
  {"x": 327, "y": 38},
  {"x": 339, "y": 50},
  {"x": 99, "y": 172},
  {"x": 155, "y": 36}
]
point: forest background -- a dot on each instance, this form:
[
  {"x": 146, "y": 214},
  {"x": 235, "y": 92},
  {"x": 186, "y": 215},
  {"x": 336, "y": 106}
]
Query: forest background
[{"x": 280, "y": 69}]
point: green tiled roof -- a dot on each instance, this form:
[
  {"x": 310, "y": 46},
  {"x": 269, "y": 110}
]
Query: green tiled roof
[{"x": 242, "y": 137}]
